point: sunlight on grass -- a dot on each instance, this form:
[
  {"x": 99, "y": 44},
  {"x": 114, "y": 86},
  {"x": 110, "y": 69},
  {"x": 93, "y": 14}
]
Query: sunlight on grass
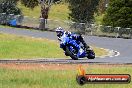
[
  {"x": 29, "y": 12},
  {"x": 12, "y": 46},
  {"x": 56, "y": 12},
  {"x": 59, "y": 11}
]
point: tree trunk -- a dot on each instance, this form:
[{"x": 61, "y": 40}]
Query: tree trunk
[
  {"x": 42, "y": 24},
  {"x": 42, "y": 18}
]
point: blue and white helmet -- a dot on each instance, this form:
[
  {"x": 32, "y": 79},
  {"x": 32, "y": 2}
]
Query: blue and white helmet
[{"x": 59, "y": 31}]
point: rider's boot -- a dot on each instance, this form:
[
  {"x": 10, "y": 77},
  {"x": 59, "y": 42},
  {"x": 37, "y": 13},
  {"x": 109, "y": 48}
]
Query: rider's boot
[{"x": 81, "y": 53}]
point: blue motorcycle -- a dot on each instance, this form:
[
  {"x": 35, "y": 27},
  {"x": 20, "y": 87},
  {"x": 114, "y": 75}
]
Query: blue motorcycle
[{"x": 68, "y": 45}]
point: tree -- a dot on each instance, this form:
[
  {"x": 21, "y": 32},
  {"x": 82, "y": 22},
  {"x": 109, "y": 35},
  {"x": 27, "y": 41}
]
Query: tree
[
  {"x": 82, "y": 10},
  {"x": 119, "y": 14},
  {"x": 9, "y": 7},
  {"x": 102, "y": 6},
  {"x": 30, "y": 3},
  {"x": 45, "y": 6}
]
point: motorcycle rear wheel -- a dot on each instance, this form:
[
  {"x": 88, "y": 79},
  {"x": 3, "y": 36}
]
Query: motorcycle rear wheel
[
  {"x": 91, "y": 56},
  {"x": 90, "y": 52}
]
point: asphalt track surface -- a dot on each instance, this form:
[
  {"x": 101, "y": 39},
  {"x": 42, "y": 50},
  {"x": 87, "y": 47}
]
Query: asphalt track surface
[{"x": 122, "y": 46}]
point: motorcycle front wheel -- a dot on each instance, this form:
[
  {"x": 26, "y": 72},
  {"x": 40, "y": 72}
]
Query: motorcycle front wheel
[{"x": 74, "y": 57}]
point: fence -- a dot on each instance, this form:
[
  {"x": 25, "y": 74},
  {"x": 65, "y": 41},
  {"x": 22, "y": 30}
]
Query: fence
[{"x": 87, "y": 28}]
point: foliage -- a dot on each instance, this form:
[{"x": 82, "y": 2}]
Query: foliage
[
  {"x": 30, "y": 3},
  {"x": 56, "y": 0},
  {"x": 33, "y": 3},
  {"x": 101, "y": 6},
  {"x": 82, "y": 10},
  {"x": 9, "y": 7},
  {"x": 98, "y": 18},
  {"x": 119, "y": 13}
]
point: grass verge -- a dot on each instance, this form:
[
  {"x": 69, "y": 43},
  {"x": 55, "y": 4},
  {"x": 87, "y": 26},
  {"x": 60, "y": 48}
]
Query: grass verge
[
  {"x": 50, "y": 78},
  {"x": 12, "y": 46},
  {"x": 55, "y": 12},
  {"x": 20, "y": 47}
]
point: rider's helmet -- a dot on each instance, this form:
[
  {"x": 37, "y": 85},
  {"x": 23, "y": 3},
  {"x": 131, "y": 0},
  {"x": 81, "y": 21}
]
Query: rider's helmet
[{"x": 59, "y": 31}]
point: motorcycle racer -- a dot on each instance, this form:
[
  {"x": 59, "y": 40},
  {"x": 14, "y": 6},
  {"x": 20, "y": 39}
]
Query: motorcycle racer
[{"x": 61, "y": 34}]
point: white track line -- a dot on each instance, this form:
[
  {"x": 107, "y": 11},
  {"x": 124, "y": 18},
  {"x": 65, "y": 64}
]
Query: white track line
[
  {"x": 111, "y": 53},
  {"x": 118, "y": 53}
]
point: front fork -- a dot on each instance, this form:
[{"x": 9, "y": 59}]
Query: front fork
[{"x": 64, "y": 49}]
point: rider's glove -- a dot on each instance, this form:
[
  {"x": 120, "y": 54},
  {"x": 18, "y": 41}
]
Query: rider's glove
[
  {"x": 59, "y": 39},
  {"x": 61, "y": 45}
]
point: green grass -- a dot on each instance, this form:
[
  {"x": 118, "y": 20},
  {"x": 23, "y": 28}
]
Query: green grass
[
  {"x": 56, "y": 12},
  {"x": 29, "y": 12},
  {"x": 11, "y": 78},
  {"x": 59, "y": 12},
  {"x": 12, "y": 46},
  {"x": 98, "y": 19},
  {"x": 20, "y": 47}
]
